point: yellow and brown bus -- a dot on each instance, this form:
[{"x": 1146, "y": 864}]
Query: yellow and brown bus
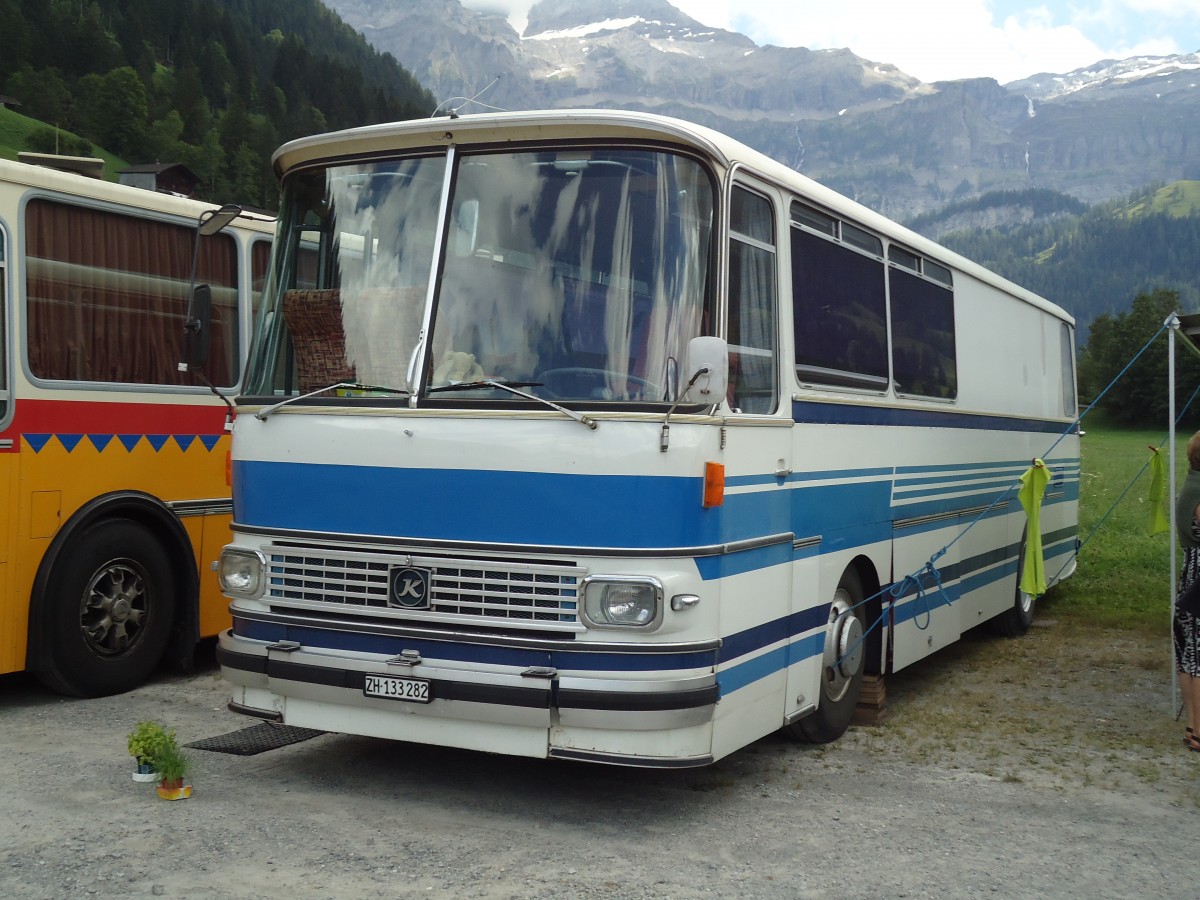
[{"x": 114, "y": 499}]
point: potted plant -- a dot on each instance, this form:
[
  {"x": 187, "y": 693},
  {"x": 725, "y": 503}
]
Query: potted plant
[
  {"x": 145, "y": 743},
  {"x": 173, "y": 765}
]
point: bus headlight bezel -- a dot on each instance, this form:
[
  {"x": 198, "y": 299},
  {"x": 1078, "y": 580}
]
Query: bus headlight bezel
[
  {"x": 241, "y": 572},
  {"x": 621, "y": 602}
]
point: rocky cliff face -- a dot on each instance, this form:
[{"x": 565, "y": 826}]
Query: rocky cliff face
[{"x": 865, "y": 128}]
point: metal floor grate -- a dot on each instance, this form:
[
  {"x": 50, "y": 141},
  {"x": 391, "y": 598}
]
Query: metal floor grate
[{"x": 255, "y": 739}]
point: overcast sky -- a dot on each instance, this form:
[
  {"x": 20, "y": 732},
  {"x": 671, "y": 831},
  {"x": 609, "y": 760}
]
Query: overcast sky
[{"x": 945, "y": 39}]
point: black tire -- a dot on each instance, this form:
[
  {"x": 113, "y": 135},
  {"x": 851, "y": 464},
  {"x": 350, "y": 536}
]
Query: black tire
[
  {"x": 844, "y": 664},
  {"x": 1015, "y": 620},
  {"x": 109, "y": 610}
]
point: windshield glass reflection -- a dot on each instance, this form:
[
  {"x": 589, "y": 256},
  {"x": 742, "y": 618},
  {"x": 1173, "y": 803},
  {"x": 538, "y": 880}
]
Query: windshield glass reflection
[{"x": 582, "y": 274}]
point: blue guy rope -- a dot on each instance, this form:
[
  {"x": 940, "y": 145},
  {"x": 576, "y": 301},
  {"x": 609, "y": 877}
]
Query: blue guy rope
[{"x": 898, "y": 588}]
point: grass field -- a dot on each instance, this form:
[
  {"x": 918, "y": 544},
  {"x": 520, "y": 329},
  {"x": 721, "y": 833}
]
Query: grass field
[
  {"x": 15, "y": 128},
  {"x": 1124, "y": 575}
]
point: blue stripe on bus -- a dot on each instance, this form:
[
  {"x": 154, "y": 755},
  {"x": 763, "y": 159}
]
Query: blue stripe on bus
[
  {"x": 625, "y": 512},
  {"x": 752, "y": 670},
  {"x": 992, "y": 487},
  {"x": 752, "y": 639},
  {"x": 496, "y": 506},
  {"x": 960, "y": 467}
]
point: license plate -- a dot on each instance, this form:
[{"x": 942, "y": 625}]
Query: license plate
[{"x": 394, "y": 687}]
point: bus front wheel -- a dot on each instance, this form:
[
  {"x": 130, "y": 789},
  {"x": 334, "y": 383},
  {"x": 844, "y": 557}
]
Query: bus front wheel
[
  {"x": 841, "y": 666},
  {"x": 109, "y": 610}
]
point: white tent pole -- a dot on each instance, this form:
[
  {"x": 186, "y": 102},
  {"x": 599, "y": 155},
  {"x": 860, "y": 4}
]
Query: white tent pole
[{"x": 1172, "y": 326}]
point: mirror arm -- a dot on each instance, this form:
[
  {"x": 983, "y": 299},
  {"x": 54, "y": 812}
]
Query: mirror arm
[{"x": 664, "y": 438}]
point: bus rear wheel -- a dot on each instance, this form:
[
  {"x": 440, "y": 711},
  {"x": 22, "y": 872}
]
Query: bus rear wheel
[
  {"x": 109, "y": 610},
  {"x": 842, "y": 666},
  {"x": 1015, "y": 620}
]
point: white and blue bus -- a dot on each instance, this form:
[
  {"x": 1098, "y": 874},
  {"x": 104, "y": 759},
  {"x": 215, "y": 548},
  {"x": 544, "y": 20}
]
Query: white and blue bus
[{"x": 600, "y": 436}]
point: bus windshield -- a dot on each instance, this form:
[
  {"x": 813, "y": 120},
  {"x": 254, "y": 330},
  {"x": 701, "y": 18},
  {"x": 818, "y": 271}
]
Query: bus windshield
[{"x": 579, "y": 274}]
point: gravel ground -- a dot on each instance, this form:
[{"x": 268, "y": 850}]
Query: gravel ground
[{"x": 1048, "y": 766}]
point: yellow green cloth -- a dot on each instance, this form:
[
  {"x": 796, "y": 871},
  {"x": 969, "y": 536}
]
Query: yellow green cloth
[
  {"x": 1158, "y": 489},
  {"x": 1033, "y": 486}
]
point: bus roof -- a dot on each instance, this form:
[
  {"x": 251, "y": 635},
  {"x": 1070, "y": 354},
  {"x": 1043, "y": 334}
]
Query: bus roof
[
  {"x": 566, "y": 124},
  {"x": 57, "y": 181}
]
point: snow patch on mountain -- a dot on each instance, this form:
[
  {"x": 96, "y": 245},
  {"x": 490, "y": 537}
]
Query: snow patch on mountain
[
  {"x": 1108, "y": 72},
  {"x": 582, "y": 31}
]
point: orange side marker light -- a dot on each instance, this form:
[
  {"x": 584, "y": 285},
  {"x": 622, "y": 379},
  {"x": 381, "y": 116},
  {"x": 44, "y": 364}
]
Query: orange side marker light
[{"x": 714, "y": 485}]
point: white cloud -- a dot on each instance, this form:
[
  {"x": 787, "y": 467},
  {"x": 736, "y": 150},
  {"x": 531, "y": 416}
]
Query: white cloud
[
  {"x": 944, "y": 39},
  {"x": 517, "y": 11},
  {"x": 937, "y": 40}
]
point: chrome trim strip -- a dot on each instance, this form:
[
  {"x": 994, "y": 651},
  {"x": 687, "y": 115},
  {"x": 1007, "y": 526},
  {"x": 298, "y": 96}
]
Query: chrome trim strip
[
  {"x": 211, "y": 507},
  {"x": 450, "y": 546},
  {"x": 805, "y": 543},
  {"x": 898, "y": 524},
  {"x": 6, "y": 443},
  {"x": 579, "y": 684},
  {"x": 624, "y": 759},
  {"x": 387, "y": 629},
  {"x": 270, "y": 715},
  {"x": 799, "y": 714}
]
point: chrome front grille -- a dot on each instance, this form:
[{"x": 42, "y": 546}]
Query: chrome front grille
[{"x": 519, "y": 592}]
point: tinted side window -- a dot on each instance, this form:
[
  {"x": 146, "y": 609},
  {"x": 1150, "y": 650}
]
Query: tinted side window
[
  {"x": 106, "y": 296},
  {"x": 840, "y": 314},
  {"x": 923, "y": 349}
]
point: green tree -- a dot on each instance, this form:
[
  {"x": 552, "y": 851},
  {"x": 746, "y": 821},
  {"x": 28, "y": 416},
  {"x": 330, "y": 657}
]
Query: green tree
[
  {"x": 1139, "y": 396},
  {"x": 43, "y": 94},
  {"x": 119, "y": 118},
  {"x": 163, "y": 142}
]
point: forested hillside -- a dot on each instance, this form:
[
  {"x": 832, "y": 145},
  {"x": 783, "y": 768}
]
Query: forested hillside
[
  {"x": 1096, "y": 263},
  {"x": 214, "y": 84}
]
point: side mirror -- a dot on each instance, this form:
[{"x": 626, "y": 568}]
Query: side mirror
[
  {"x": 708, "y": 387},
  {"x": 197, "y": 330},
  {"x": 215, "y": 220},
  {"x": 196, "y": 326}
]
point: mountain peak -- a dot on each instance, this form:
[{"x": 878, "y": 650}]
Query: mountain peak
[{"x": 577, "y": 18}]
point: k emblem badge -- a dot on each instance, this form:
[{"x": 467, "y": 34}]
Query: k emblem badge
[{"x": 408, "y": 588}]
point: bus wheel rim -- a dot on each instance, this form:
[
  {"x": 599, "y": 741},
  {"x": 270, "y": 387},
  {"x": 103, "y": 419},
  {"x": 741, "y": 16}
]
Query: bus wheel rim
[{"x": 114, "y": 608}]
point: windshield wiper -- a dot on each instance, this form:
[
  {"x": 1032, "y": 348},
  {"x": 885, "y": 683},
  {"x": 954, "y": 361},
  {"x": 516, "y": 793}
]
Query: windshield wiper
[
  {"x": 511, "y": 387},
  {"x": 476, "y": 385},
  {"x": 262, "y": 414}
]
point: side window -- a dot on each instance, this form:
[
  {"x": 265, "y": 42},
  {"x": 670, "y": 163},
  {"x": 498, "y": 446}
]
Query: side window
[
  {"x": 923, "y": 348},
  {"x": 1070, "y": 407},
  {"x": 4, "y": 394},
  {"x": 839, "y": 302},
  {"x": 102, "y": 284},
  {"x": 260, "y": 260},
  {"x": 752, "y": 290}
]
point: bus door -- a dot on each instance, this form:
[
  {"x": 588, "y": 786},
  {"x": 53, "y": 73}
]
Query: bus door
[
  {"x": 924, "y": 616},
  {"x": 758, "y": 460}
]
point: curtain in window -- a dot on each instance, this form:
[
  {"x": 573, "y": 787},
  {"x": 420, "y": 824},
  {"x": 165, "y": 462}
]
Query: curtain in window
[
  {"x": 752, "y": 305},
  {"x": 106, "y": 296}
]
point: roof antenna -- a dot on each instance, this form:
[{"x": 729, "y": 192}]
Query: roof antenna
[{"x": 452, "y": 112}]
